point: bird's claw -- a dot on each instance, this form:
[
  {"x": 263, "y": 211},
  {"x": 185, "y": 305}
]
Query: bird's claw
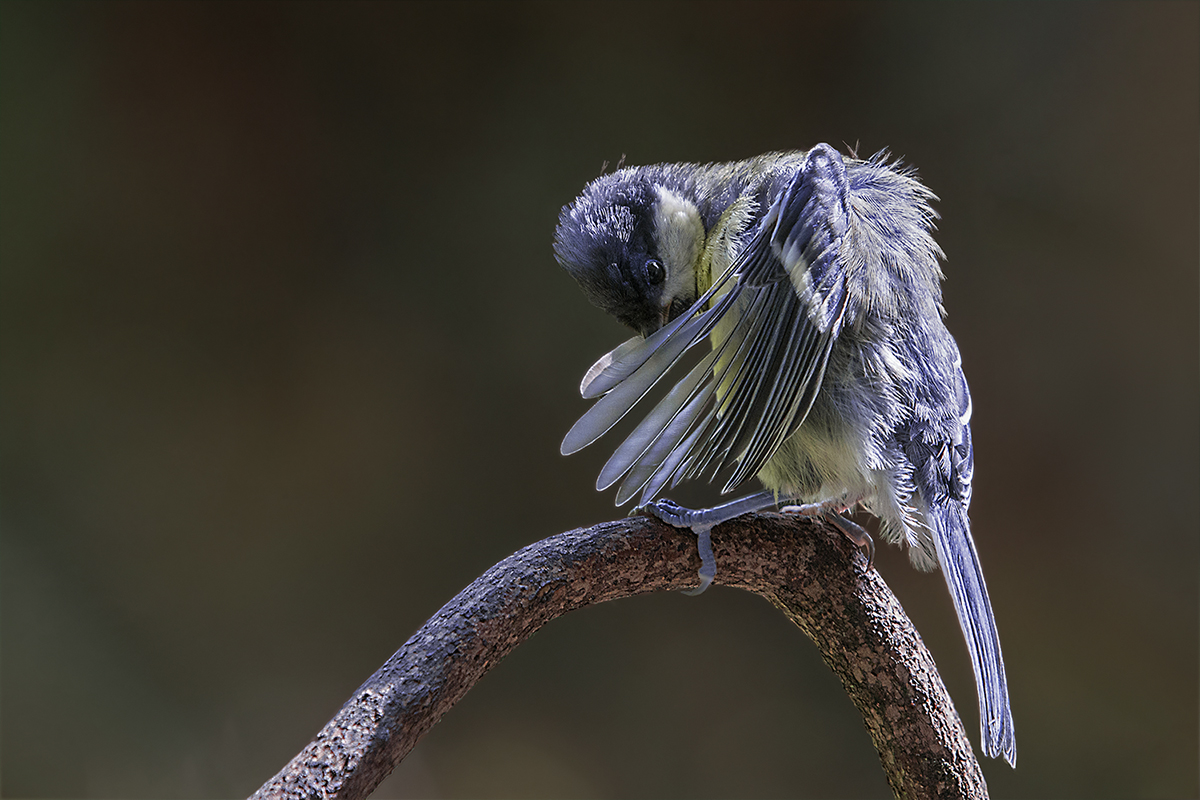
[
  {"x": 667, "y": 511},
  {"x": 677, "y": 516},
  {"x": 854, "y": 532},
  {"x": 850, "y": 529}
]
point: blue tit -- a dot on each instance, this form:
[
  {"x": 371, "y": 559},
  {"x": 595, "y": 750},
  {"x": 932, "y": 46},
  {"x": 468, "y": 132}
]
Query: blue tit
[{"x": 795, "y": 298}]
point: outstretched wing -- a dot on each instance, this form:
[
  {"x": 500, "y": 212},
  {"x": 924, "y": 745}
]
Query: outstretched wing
[{"x": 772, "y": 319}]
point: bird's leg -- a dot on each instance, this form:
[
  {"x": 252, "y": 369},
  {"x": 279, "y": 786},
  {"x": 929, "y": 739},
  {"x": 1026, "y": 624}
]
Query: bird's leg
[
  {"x": 850, "y": 529},
  {"x": 701, "y": 522}
]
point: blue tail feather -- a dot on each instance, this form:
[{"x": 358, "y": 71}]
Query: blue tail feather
[{"x": 964, "y": 578}]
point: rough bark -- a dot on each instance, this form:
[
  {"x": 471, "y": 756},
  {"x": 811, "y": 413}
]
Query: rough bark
[{"x": 805, "y": 568}]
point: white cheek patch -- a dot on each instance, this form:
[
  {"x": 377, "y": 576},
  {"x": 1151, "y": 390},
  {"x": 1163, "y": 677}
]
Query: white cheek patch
[{"x": 679, "y": 235}]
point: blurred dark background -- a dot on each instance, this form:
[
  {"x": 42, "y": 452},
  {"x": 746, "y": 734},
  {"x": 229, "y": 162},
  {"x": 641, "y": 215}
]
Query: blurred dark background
[{"x": 287, "y": 359}]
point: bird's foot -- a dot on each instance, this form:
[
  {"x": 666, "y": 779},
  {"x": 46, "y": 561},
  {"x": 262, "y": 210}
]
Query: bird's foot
[
  {"x": 850, "y": 529},
  {"x": 669, "y": 512},
  {"x": 677, "y": 516},
  {"x": 854, "y": 532}
]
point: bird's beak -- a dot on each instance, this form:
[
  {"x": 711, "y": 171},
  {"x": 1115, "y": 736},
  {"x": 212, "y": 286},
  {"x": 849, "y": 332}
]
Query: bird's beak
[{"x": 664, "y": 316}]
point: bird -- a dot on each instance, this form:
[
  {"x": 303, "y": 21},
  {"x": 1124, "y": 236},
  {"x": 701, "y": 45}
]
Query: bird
[{"x": 795, "y": 301}]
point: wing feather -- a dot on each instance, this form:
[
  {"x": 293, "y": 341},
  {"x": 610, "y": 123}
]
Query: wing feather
[
  {"x": 652, "y": 427},
  {"x": 659, "y": 357},
  {"x": 660, "y": 451},
  {"x": 650, "y": 464},
  {"x": 588, "y": 387}
]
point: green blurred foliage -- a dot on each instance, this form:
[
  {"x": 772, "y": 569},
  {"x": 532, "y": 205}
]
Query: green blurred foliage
[{"x": 286, "y": 360}]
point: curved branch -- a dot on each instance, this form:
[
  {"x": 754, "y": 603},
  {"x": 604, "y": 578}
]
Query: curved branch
[{"x": 804, "y": 567}]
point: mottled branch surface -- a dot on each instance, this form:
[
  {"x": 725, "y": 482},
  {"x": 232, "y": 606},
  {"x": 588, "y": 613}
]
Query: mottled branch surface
[{"x": 805, "y": 568}]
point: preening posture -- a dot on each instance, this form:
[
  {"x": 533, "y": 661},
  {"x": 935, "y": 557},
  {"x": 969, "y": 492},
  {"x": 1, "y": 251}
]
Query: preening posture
[{"x": 810, "y": 287}]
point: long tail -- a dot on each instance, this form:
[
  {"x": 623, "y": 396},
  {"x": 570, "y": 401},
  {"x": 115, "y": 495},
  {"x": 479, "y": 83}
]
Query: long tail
[{"x": 964, "y": 577}]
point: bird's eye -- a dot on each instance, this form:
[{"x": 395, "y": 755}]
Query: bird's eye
[{"x": 655, "y": 274}]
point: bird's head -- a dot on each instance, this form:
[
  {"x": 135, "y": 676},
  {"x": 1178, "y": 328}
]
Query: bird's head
[{"x": 633, "y": 245}]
